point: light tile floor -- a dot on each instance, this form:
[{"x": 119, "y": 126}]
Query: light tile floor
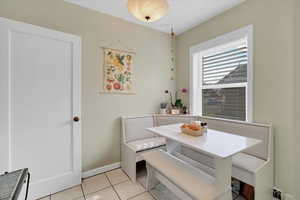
[{"x": 113, "y": 185}]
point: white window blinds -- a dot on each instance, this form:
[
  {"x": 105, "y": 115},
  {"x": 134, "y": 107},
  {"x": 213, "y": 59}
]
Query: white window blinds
[
  {"x": 224, "y": 83},
  {"x": 225, "y": 67}
]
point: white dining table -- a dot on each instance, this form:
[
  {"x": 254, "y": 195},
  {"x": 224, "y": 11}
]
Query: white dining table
[{"x": 219, "y": 145}]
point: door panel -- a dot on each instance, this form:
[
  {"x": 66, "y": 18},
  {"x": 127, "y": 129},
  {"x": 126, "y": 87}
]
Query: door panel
[{"x": 43, "y": 96}]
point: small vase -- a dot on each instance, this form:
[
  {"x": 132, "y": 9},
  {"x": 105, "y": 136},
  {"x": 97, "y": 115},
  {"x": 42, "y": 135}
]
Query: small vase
[
  {"x": 163, "y": 111},
  {"x": 184, "y": 110},
  {"x": 175, "y": 111}
]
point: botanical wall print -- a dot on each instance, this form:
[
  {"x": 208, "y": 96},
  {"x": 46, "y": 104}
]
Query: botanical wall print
[{"x": 118, "y": 74}]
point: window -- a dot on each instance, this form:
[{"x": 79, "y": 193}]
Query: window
[{"x": 221, "y": 77}]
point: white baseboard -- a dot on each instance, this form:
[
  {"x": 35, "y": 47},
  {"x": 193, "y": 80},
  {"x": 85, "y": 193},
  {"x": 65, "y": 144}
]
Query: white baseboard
[{"x": 100, "y": 170}]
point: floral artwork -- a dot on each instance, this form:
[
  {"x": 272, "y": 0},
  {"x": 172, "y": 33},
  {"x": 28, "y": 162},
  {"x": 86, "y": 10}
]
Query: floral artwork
[{"x": 118, "y": 71}]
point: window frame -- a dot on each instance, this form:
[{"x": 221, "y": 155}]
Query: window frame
[{"x": 217, "y": 44}]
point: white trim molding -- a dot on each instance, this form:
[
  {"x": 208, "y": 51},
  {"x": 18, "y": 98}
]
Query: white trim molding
[
  {"x": 223, "y": 41},
  {"x": 100, "y": 170}
]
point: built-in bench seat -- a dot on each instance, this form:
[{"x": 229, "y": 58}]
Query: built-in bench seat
[
  {"x": 254, "y": 166},
  {"x": 181, "y": 178},
  {"x": 136, "y": 140}
]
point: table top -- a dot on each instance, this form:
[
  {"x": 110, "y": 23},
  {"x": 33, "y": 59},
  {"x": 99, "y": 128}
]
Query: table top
[
  {"x": 11, "y": 184},
  {"x": 215, "y": 143}
]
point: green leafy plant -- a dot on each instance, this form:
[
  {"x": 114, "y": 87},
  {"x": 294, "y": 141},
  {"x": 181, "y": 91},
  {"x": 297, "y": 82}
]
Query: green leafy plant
[{"x": 178, "y": 102}]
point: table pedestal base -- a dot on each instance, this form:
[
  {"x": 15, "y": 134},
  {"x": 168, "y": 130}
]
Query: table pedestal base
[
  {"x": 223, "y": 167},
  {"x": 222, "y": 170}
]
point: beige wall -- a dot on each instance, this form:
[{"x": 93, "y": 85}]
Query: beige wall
[
  {"x": 297, "y": 81},
  {"x": 101, "y": 112},
  {"x": 273, "y": 70}
]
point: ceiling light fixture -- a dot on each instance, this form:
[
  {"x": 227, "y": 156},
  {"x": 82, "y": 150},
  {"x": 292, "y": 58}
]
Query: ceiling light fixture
[{"x": 148, "y": 10}]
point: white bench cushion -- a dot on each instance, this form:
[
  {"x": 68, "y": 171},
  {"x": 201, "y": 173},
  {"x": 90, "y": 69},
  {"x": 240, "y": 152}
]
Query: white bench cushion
[
  {"x": 247, "y": 162},
  {"x": 146, "y": 144}
]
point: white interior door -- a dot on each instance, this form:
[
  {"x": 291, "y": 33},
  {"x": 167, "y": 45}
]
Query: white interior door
[{"x": 40, "y": 96}]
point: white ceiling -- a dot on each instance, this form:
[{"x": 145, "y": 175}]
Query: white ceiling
[{"x": 183, "y": 14}]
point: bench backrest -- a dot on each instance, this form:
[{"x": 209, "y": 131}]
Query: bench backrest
[
  {"x": 161, "y": 120},
  {"x": 133, "y": 128},
  {"x": 258, "y": 131}
]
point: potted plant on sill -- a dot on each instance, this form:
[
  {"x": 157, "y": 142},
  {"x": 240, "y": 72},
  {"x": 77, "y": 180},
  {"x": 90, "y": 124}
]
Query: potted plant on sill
[{"x": 177, "y": 107}]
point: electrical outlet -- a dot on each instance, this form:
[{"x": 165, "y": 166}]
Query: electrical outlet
[{"x": 277, "y": 194}]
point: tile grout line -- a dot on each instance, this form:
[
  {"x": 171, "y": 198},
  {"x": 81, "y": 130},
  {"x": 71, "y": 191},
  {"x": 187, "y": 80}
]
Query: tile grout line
[
  {"x": 98, "y": 190},
  {"x": 81, "y": 191},
  {"x": 124, "y": 173},
  {"x": 139, "y": 193},
  {"x": 152, "y": 195},
  {"x": 149, "y": 192},
  {"x": 113, "y": 187},
  {"x": 129, "y": 180},
  {"x": 121, "y": 182},
  {"x": 102, "y": 173}
]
